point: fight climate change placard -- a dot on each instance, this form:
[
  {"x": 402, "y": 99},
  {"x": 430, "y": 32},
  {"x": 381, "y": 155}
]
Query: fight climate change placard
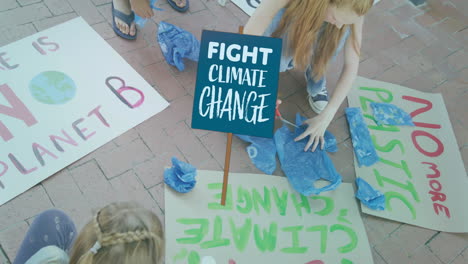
[{"x": 237, "y": 83}]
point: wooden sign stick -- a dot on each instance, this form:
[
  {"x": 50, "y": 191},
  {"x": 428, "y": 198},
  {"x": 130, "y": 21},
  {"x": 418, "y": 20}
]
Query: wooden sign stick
[{"x": 227, "y": 159}]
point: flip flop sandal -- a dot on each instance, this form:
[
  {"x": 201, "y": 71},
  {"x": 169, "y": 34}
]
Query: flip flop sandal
[
  {"x": 127, "y": 19},
  {"x": 177, "y": 8}
]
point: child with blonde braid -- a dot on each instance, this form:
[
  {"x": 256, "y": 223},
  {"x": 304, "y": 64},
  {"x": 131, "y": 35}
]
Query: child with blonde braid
[{"x": 120, "y": 233}]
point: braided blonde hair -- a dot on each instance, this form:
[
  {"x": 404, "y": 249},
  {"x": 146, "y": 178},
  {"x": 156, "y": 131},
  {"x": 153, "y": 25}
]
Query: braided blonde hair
[{"x": 126, "y": 232}]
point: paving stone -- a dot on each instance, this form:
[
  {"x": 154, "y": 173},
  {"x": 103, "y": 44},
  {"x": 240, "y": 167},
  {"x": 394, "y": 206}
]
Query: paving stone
[
  {"x": 12, "y": 237},
  {"x": 93, "y": 184},
  {"x": 101, "y": 2},
  {"x": 124, "y": 157},
  {"x": 458, "y": 60},
  {"x": 44, "y": 24},
  {"x": 3, "y": 257},
  {"x": 395, "y": 74},
  {"x": 374, "y": 66},
  {"x": 127, "y": 137},
  {"x": 8, "y": 4},
  {"x": 406, "y": 11},
  {"x": 462, "y": 258},
  {"x": 151, "y": 172},
  {"x": 377, "y": 258},
  {"x": 379, "y": 229},
  {"x": 58, "y": 7},
  {"x": 160, "y": 76},
  {"x": 28, "y": 2},
  {"x": 424, "y": 255},
  {"x": 11, "y": 34},
  {"x": 104, "y": 30},
  {"x": 24, "y": 206},
  {"x": 190, "y": 146},
  {"x": 448, "y": 245},
  {"x": 157, "y": 192},
  {"x": 66, "y": 196},
  {"x": 23, "y": 15},
  {"x": 87, "y": 10}
]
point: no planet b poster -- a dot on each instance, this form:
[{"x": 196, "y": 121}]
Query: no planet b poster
[{"x": 60, "y": 99}]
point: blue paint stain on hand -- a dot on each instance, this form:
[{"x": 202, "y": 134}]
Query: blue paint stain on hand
[
  {"x": 177, "y": 44},
  {"x": 262, "y": 152},
  {"x": 362, "y": 142},
  {"x": 304, "y": 168},
  {"x": 390, "y": 114},
  {"x": 369, "y": 196},
  {"x": 181, "y": 176}
]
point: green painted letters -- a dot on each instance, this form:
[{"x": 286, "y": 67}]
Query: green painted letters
[{"x": 198, "y": 233}]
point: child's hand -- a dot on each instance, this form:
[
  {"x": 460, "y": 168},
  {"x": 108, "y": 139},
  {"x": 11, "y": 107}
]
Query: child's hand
[{"x": 316, "y": 130}]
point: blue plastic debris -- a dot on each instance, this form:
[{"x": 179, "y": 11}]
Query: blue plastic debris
[
  {"x": 369, "y": 196},
  {"x": 262, "y": 152},
  {"x": 142, "y": 21},
  {"x": 176, "y": 44},
  {"x": 304, "y": 168},
  {"x": 362, "y": 142},
  {"x": 390, "y": 114},
  {"x": 181, "y": 176}
]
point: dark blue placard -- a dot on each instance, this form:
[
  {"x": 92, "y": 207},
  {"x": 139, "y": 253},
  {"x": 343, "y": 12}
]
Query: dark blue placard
[{"x": 234, "y": 92}]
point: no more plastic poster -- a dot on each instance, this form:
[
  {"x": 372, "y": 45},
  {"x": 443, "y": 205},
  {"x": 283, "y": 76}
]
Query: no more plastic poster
[{"x": 420, "y": 171}]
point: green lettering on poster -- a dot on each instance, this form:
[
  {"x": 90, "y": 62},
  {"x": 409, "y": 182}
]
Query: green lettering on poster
[
  {"x": 408, "y": 187},
  {"x": 390, "y": 145},
  {"x": 217, "y": 205},
  {"x": 198, "y": 233},
  {"x": 352, "y": 236},
  {"x": 329, "y": 205},
  {"x": 217, "y": 241},
  {"x": 264, "y": 202},
  {"x": 181, "y": 255},
  {"x": 241, "y": 235},
  {"x": 280, "y": 201},
  {"x": 323, "y": 236},
  {"x": 303, "y": 204},
  {"x": 295, "y": 248},
  {"x": 193, "y": 258},
  {"x": 403, "y": 165},
  {"x": 391, "y": 195},
  {"x": 266, "y": 240},
  {"x": 243, "y": 196},
  {"x": 380, "y": 92}
]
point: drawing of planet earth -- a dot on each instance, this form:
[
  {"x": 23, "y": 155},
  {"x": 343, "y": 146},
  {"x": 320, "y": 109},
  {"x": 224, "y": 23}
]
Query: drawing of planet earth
[{"x": 52, "y": 87}]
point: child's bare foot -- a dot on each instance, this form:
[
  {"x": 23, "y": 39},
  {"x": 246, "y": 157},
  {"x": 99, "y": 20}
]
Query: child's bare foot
[
  {"x": 142, "y": 8},
  {"x": 124, "y": 7}
]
